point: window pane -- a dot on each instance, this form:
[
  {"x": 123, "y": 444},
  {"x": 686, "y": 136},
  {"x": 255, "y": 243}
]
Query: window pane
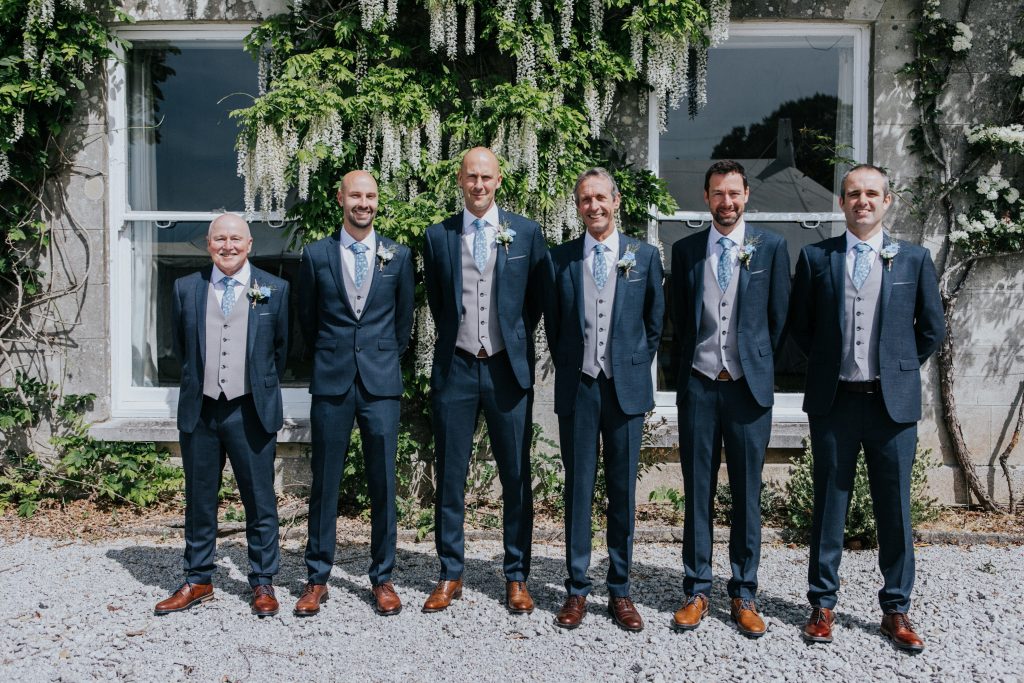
[
  {"x": 162, "y": 255},
  {"x": 762, "y": 92},
  {"x": 181, "y": 140},
  {"x": 790, "y": 365}
]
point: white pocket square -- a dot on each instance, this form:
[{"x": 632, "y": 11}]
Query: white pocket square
[
  {"x": 513, "y": 258},
  {"x": 386, "y": 275},
  {"x": 755, "y": 272},
  {"x": 902, "y": 283}
]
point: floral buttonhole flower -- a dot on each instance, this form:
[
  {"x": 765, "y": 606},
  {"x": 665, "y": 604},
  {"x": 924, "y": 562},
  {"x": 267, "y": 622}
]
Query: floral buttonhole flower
[
  {"x": 384, "y": 255},
  {"x": 628, "y": 260},
  {"x": 259, "y": 294},
  {"x": 888, "y": 254},
  {"x": 504, "y": 236}
]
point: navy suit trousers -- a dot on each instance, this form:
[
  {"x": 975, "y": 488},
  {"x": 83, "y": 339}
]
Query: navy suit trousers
[
  {"x": 598, "y": 416},
  {"x": 489, "y": 385},
  {"x": 232, "y": 428},
  {"x": 331, "y": 422},
  {"x": 861, "y": 420},
  {"x": 712, "y": 414}
]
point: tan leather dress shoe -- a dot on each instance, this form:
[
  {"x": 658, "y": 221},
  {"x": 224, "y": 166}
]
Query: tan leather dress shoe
[
  {"x": 689, "y": 615},
  {"x": 189, "y": 595},
  {"x": 624, "y": 614},
  {"x": 518, "y": 598},
  {"x": 573, "y": 610},
  {"x": 748, "y": 621},
  {"x": 818, "y": 628},
  {"x": 264, "y": 602},
  {"x": 385, "y": 600},
  {"x": 896, "y": 627},
  {"x": 444, "y": 592},
  {"x": 313, "y": 595}
]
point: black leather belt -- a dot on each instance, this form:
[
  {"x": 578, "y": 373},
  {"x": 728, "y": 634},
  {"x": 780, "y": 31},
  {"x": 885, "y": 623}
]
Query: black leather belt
[
  {"x": 871, "y": 387},
  {"x": 481, "y": 354},
  {"x": 723, "y": 376}
]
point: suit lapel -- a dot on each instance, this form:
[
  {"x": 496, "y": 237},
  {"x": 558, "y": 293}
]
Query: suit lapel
[
  {"x": 700, "y": 257},
  {"x": 838, "y": 266},
  {"x": 745, "y": 269},
  {"x": 334, "y": 261},
  {"x": 622, "y": 283},
  {"x": 454, "y": 232},
  {"x": 202, "y": 291},
  {"x": 252, "y": 324},
  {"x": 886, "y": 280},
  {"x": 576, "y": 275},
  {"x": 501, "y": 256},
  {"x": 373, "y": 265}
]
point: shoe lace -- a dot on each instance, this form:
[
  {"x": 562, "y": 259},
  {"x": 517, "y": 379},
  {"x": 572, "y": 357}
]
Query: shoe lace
[
  {"x": 307, "y": 589},
  {"x": 692, "y": 599},
  {"x": 901, "y": 621},
  {"x": 386, "y": 588},
  {"x": 748, "y": 604},
  {"x": 263, "y": 590}
]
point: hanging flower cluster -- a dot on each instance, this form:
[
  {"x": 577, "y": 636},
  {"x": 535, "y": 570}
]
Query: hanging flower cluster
[
  {"x": 444, "y": 27},
  {"x": 995, "y": 221},
  {"x": 372, "y": 11},
  {"x": 1009, "y": 137},
  {"x": 324, "y": 132},
  {"x": 426, "y": 336},
  {"x": 598, "y": 107},
  {"x": 516, "y": 140},
  {"x": 962, "y": 39},
  {"x": 561, "y": 222},
  {"x": 264, "y": 168}
]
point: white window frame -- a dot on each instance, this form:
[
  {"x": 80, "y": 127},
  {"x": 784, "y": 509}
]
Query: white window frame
[
  {"x": 127, "y": 401},
  {"x": 788, "y": 406}
]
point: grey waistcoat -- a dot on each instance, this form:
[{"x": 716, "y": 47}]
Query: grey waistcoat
[
  {"x": 717, "y": 345},
  {"x": 861, "y": 326},
  {"x": 224, "y": 370},
  {"x": 597, "y": 323},
  {"x": 479, "y": 327},
  {"x": 357, "y": 295}
]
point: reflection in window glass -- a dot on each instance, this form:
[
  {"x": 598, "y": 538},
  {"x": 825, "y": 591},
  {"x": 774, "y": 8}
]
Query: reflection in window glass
[
  {"x": 162, "y": 255},
  {"x": 181, "y": 140},
  {"x": 768, "y": 101},
  {"x": 790, "y": 365}
]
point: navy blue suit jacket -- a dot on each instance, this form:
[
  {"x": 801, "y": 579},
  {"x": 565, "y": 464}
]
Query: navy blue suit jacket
[
  {"x": 522, "y": 272},
  {"x": 912, "y": 324},
  {"x": 343, "y": 344},
  {"x": 762, "y": 298},
  {"x": 637, "y": 316},
  {"x": 266, "y": 345}
]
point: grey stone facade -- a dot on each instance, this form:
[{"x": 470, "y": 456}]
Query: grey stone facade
[{"x": 989, "y": 356}]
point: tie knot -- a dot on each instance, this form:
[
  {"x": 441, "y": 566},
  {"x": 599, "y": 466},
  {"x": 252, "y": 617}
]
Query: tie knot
[
  {"x": 227, "y": 281},
  {"x": 479, "y": 224},
  {"x": 726, "y": 243},
  {"x": 358, "y": 247},
  {"x": 862, "y": 247},
  {"x": 598, "y": 248}
]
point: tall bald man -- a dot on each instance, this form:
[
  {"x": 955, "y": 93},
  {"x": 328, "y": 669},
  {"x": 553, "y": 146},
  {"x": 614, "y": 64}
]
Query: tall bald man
[
  {"x": 486, "y": 271},
  {"x": 355, "y": 309},
  {"x": 230, "y": 326}
]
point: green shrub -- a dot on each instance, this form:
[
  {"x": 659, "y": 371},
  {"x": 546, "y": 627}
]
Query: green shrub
[{"x": 860, "y": 521}]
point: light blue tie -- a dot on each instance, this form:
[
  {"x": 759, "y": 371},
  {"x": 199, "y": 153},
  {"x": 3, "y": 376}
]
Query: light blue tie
[
  {"x": 480, "y": 244},
  {"x": 724, "y": 263},
  {"x": 600, "y": 266},
  {"x": 359, "y": 251},
  {"x": 228, "y": 301},
  {"x": 861, "y": 264}
]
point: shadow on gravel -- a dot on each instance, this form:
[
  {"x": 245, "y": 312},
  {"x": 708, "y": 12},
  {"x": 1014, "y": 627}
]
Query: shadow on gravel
[{"x": 161, "y": 566}]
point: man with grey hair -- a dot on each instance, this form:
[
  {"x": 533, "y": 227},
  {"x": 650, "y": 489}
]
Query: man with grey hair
[
  {"x": 230, "y": 327},
  {"x": 604, "y": 325}
]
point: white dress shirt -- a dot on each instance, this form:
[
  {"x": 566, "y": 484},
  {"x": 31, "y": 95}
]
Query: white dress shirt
[
  {"x": 715, "y": 249},
  {"x": 490, "y": 218},
  {"x": 851, "y": 253},
  {"x": 242, "y": 282},
  {"x": 611, "y": 255},
  {"x": 348, "y": 258}
]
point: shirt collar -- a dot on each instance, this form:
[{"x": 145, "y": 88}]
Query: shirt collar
[
  {"x": 874, "y": 242},
  {"x": 611, "y": 242},
  {"x": 736, "y": 235},
  {"x": 491, "y": 218},
  {"x": 348, "y": 240},
  {"x": 243, "y": 276}
]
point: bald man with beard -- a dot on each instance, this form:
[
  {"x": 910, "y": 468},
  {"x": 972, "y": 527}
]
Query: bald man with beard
[
  {"x": 230, "y": 327},
  {"x": 486, "y": 271},
  {"x": 355, "y": 309}
]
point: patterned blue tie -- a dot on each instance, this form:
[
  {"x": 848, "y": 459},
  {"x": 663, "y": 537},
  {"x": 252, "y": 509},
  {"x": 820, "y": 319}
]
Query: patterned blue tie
[
  {"x": 861, "y": 264},
  {"x": 480, "y": 244},
  {"x": 359, "y": 251},
  {"x": 600, "y": 267},
  {"x": 228, "y": 301},
  {"x": 724, "y": 263}
]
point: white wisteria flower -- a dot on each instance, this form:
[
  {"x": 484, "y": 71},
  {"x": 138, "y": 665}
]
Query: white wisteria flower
[
  {"x": 1011, "y": 136},
  {"x": 957, "y": 236},
  {"x": 1017, "y": 67}
]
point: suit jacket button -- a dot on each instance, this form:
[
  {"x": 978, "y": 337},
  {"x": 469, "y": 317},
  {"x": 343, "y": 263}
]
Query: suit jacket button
[{"x": 358, "y": 349}]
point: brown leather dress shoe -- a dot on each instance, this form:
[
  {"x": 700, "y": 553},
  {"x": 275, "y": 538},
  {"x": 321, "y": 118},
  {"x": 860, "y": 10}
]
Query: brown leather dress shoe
[
  {"x": 444, "y": 592},
  {"x": 313, "y": 595},
  {"x": 385, "y": 600},
  {"x": 264, "y": 602},
  {"x": 689, "y": 615},
  {"x": 896, "y": 627},
  {"x": 189, "y": 595},
  {"x": 573, "y": 610},
  {"x": 818, "y": 628},
  {"x": 518, "y": 598},
  {"x": 624, "y": 614},
  {"x": 748, "y": 621}
]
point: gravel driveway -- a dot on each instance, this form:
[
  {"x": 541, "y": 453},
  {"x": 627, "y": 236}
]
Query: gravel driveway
[{"x": 83, "y": 611}]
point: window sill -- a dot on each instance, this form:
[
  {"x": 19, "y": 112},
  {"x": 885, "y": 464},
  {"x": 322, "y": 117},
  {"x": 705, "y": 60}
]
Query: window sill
[{"x": 166, "y": 430}]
